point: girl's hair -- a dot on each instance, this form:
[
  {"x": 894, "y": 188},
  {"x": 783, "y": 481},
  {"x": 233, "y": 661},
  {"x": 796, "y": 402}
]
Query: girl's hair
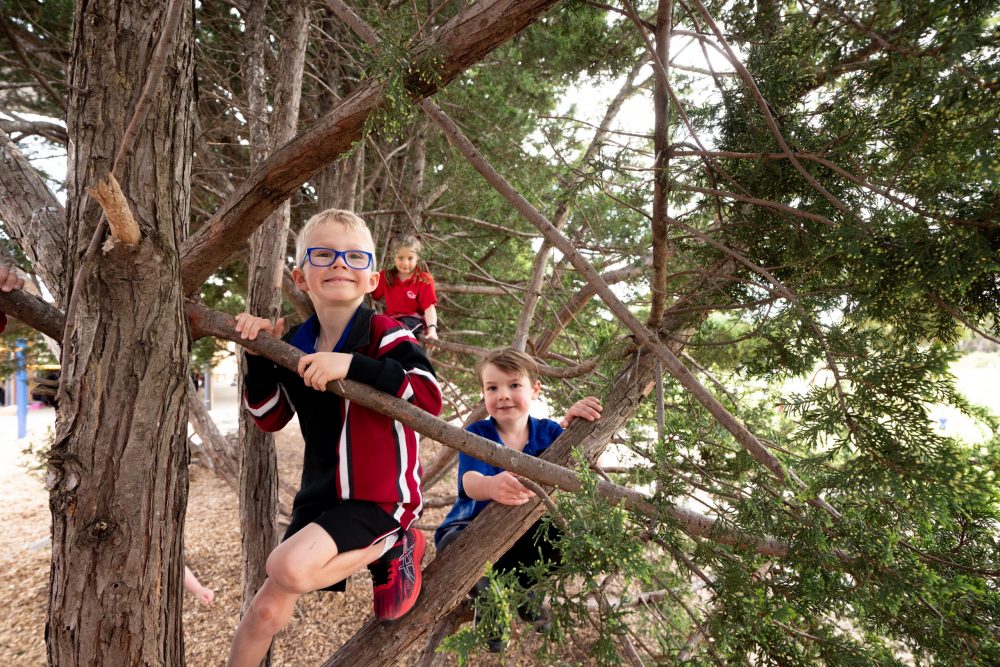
[
  {"x": 509, "y": 360},
  {"x": 397, "y": 243},
  {"x": 401, "y": 241},
  {"x": 332, "y": 216}
]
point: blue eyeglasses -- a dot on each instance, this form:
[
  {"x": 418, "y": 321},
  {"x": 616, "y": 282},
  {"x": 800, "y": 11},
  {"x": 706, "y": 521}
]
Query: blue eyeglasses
[{"x": 359, "y": 260}]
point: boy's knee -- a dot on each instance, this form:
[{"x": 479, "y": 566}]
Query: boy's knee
[
  {"x": 287, "y": 576},
  {"x": 267, "y": 616}
]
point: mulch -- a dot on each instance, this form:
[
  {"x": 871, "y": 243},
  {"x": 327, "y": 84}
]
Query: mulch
[{"x": 322, "y": 623}]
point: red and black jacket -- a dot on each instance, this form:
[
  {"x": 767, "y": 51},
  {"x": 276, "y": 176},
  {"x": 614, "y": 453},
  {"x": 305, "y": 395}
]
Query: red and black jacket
[{"x": 351, "y": 452}]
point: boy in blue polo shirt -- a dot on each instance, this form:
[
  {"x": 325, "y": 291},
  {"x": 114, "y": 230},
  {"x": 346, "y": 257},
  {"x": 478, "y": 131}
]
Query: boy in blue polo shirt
[{"x": 510, "y": 385}]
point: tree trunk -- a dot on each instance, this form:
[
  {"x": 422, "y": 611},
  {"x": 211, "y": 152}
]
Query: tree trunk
[
  {"x": 258, "y": 461},
  {"x": 118, "y": 468}
]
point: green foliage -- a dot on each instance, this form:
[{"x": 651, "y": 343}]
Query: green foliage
[{"x": 495, "y": 608}]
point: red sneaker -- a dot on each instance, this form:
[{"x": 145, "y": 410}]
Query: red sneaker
[{"x": 396, "y": 580}]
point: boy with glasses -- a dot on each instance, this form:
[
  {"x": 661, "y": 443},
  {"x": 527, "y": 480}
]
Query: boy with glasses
[{"x": 360, "y": 489}]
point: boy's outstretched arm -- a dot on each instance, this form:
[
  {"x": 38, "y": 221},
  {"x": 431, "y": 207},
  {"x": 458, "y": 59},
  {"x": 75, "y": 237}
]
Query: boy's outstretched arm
[
  {"x": 503, "y": 487},
  {"x": 588, "y": 408}
]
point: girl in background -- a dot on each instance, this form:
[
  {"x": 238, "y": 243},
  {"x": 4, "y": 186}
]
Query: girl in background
[{"x": 408, "y": 292}]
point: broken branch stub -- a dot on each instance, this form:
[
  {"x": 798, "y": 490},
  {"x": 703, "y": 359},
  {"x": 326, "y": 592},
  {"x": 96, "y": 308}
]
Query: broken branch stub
[{"x": 109, "y": 195}]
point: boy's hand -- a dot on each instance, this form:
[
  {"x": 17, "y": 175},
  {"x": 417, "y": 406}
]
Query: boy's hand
[
  {"x": 507, "y": 490},
  {"x": 319, "y": 368},
  {"x": 588, "y": 408},
  {"x": 249, "y": 326},
  {"x": 10, "y": 279}
]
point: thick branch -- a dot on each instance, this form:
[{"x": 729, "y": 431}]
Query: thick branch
[
  {"x": 51, "y": 131},
  {"x": 204, "y": 321},
  {"x": 463, "y": 41},
  {"x": 34, "y": 312},
  {"x": 33, "y": 217}
]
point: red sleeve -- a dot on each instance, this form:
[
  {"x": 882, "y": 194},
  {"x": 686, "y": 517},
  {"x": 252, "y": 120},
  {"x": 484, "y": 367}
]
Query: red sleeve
[
  {"x": 426, "y": 296},
  {"x": 379, "y": 292}
]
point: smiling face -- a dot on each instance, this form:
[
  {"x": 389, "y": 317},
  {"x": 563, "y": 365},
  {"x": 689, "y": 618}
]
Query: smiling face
[
  {"x": 405, "y": 260},
  {"x": 508, "y": 395},
  {"x": 337, "y": 284}
]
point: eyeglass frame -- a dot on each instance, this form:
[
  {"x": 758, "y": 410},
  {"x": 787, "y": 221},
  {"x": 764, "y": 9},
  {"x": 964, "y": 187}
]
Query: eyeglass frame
[{"x": 337, "y": 254}]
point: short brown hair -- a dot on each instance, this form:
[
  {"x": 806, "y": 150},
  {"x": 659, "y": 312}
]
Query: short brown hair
[
  {"x": 509, "y": 360},
  {"x": 332, "y": 216}
]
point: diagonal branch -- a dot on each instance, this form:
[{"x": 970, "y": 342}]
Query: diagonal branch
[
  {"x": 563, "y": 207},
  {"x": 32, "y": 217},
  {"x": 463, "y": 41},
  {"x": 203, "y": 321},
  {"x": 755, "y": 447}
]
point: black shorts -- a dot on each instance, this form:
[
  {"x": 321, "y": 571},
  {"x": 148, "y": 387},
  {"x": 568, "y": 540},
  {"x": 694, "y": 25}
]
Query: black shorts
[
  {"x": 353, "y": 524},
  {"x": 537, "y": 545}
]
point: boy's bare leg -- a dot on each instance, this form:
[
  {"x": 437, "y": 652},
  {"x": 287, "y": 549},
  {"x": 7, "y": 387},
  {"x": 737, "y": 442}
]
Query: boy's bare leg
[
  {"x": 307, "y": 561},
  {"x": 269, "y": 612}
]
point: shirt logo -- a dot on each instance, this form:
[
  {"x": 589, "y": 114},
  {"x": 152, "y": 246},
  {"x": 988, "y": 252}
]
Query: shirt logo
[{"x": 411, "y": 294}]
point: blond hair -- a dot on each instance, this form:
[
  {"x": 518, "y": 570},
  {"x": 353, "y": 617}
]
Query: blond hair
[
  {"x": 401, "y": 241},
  {"x": 509, "y": 360},
  {"x": 332, "y": 216}
]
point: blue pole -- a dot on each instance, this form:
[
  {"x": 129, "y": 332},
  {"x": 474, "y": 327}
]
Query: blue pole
[{"x": 20, "y": 345}]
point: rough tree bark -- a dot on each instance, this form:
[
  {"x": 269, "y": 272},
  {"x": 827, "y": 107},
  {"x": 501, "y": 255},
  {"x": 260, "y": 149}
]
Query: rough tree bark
[{"x": 118, "y": 468}]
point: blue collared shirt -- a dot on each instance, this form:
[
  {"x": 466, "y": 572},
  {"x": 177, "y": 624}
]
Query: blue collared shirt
[
  {"x": 541, "y": 434},
  {"x": 307, "y": 335}
]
